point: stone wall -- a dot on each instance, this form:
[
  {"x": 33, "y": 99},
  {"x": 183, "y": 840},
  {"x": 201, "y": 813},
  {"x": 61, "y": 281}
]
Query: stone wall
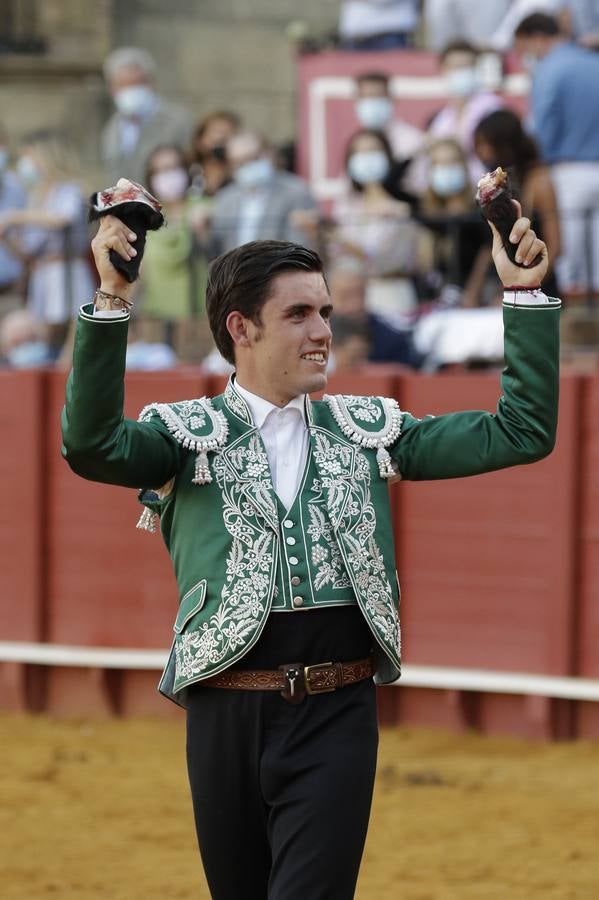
[{"x": 210, "y": 53}]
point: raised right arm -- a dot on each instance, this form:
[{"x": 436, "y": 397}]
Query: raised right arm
[{"x": 98, "y": 442}]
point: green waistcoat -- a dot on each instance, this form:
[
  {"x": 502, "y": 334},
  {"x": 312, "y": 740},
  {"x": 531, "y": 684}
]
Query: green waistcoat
[{"x": 203, "y": 470}]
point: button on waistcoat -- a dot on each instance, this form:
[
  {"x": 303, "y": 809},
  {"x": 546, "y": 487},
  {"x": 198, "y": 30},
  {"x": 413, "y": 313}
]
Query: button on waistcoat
[{"x": 310, "y": 572}]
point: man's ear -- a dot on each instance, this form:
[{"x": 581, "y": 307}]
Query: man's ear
[{"x": 237, "y": 328}]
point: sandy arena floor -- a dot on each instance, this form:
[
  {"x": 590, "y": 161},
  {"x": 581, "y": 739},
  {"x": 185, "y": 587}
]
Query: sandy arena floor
[{"x": 101, "y": 810}]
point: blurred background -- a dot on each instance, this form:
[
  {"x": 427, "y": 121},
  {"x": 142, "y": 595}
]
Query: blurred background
[{"x": 359, "y": 127}]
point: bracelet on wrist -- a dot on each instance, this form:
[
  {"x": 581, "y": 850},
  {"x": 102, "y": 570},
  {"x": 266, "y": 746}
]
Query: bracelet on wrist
[{"x": 106, "y": 301}]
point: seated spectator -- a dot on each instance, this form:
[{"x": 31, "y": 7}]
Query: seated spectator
[
  {"x": 174, "y": 270},
  {"x": 23, "y": 343},
  {"x": 375, "y": 112},
  {"x": 378, "y": 229},
  {"x": 351, "y": 344},
  {"x": 390, "y": 339},
  {"x": 461, "y": 253},
  {"x": 467, "y": 103},
  {"x": 12, "y": 196},
  {"x": 209, "y": 167},
  {"x": 259, "y": 203},
  {"x": 142, "y": 119},
  {"x": 51, "y": 235},
  {"x": 500, "y": 140},
  {"x": 378, "y": 24}
]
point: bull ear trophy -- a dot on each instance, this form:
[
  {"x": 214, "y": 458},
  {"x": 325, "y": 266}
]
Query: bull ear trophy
[{"x": 138, "y": 209}]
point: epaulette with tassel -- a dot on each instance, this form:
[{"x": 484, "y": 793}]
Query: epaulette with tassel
[
  {"x": 197, "y": 427},
  {"x": 369, "y": 422}
]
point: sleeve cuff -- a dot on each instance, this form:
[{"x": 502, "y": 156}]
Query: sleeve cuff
[
  {"x": 89, "y": 313},
  {"x": 529, "y": 299}
]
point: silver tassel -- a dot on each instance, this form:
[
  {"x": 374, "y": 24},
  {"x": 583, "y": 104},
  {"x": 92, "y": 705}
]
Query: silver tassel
[
  {"x": 147, "y": 520},
  {"x": 202, "y": 469},
  {"x": 385, "y": 463}
]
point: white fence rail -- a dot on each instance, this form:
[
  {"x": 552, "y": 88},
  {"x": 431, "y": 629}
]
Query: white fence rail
[{"x": 439, "y": 677}]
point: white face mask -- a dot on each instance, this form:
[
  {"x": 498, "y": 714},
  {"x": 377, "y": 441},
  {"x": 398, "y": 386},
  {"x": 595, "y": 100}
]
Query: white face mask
[
  {"x": 462, "y": 82},
  {"x": 447, "y": 179},
  {"x": 255, "y": 173},
  {"x": 170, "y": 185},
  {"x": 374, "y": 112},
  {"x": 137, "y": 100},
  {"x": 27, "y": 171},
  {"x": 368, "y": 167},
  {"x": 529, "y": 61}
]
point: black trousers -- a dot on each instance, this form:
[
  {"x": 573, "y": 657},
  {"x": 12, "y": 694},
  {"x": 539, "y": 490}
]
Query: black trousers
[{"x": 281, "y": 793}]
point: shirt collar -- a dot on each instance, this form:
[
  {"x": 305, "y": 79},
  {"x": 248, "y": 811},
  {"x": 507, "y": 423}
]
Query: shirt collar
[{"x": 261, "y": 408}]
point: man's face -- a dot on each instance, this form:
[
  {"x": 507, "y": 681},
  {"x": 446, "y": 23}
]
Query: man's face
[
  {"x": 242, "y": 149},
  {"x": 287, "y": 353},
  {"x": 371, "y": 88},
  {"x": 128, "y": 76}
]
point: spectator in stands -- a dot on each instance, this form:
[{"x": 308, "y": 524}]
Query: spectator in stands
[
  {"x": 376, "y": 227},
  {"x": 260, "y": 201},
  {"x": 374, "y": 110},
  {"x": 12, "y": 196},
  {"x": 378, "y": 24},
  {"x": 461, "y": 253},
  {"x": 51, "y": 234},
  {"x": 174, "y": 271},
  {"x": 210, "y": 168},
  {"x": 500, "y": 140},
  {"x": 142, "y": 120},
  {"x": 351, "y": 344},
  {"x": 580, "y": 20},
  {"x": 390, "y": 339},
  {"x": 502, "y": 38},
  {"x": 564, "y": 104},
  {"x": 23, "y": 341},
  {"x": 467, "y": 102},
  {"x": 468, "y": 20}
]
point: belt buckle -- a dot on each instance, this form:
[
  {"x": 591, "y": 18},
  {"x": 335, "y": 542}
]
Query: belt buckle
[{"x": 326, "y": 681}]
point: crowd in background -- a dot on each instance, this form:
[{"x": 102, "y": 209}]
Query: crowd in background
[{"x": 406, "y": 249}]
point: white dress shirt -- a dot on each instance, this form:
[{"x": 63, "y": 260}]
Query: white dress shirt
[{"x": 286, "y": 439}]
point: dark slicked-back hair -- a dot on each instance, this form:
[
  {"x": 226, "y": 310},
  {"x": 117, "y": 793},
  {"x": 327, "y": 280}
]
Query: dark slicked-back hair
[
  {"x": 537, "y": 23},
  {"x": 241, "y": 280}
]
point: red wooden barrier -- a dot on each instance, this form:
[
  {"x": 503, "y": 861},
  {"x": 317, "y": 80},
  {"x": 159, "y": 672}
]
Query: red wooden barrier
[
  {"x": 108, "y": 583},
  {"x": 21, "y": 522},
  {"x": 486, "y": 566},
  {"x": 588, "y": 631}
]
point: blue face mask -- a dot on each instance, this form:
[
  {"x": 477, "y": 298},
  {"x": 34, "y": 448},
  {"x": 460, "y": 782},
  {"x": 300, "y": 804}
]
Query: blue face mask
[
  {"x": 374, "y": 112},
  {"x": 448, "y": 179},
  {"x": 368, "y": 167},
  {"x": 462, "y": 82},
  {"x": 27, "y": 171},
  {"x": 29, "y": 355},
  {"x": 255, "y": 173}
]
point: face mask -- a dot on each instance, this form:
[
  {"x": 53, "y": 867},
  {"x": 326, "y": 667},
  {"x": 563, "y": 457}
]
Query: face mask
[
  {"x": 462, "y": 82},
  {"x": 529, "y": 62},
  {"x": 447, "y": 180},
  {"x": 170, "y": 185},
  {"x": 374, "y": 112},
  {"x": 137, "y": 100},
  {"x": 27, "y": 171},
  {"x": 28, "y": 355},
  {"x": 370, "y": 167},
  {"x": 254, "y": 173},
  {"x": 3, "y": 159}
]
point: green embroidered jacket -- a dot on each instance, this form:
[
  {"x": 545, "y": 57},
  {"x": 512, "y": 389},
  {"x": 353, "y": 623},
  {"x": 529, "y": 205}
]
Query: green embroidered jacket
[{"x": 203, "y": 470}]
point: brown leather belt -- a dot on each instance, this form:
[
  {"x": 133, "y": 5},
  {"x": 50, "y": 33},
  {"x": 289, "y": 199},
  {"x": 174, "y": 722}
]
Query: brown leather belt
[{"x": 294, "y": 680}]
